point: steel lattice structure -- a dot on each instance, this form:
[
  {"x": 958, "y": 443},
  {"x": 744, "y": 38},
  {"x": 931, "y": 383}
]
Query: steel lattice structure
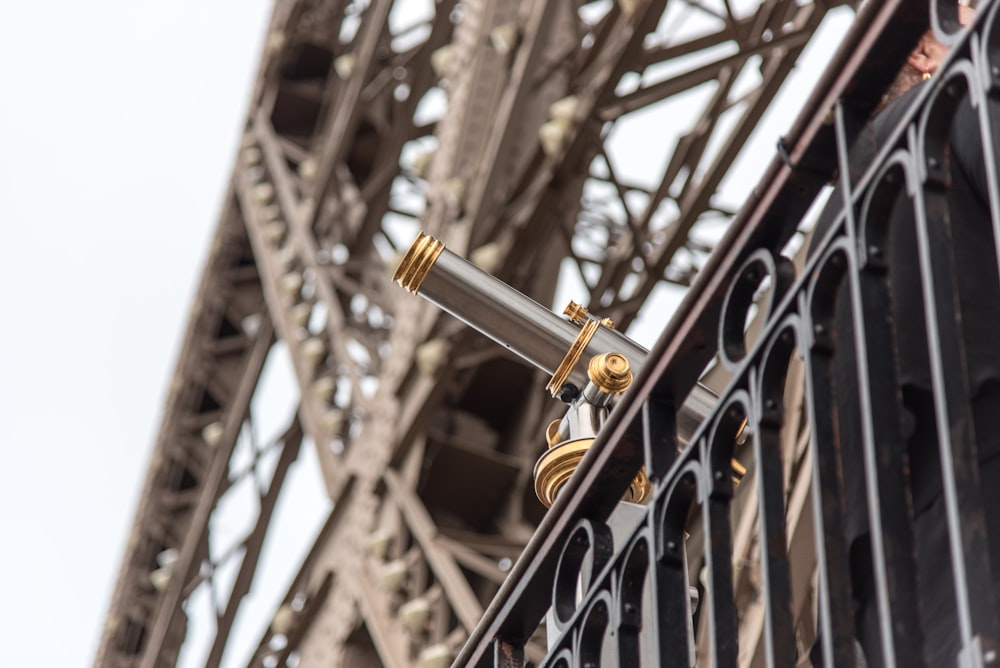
[{"x": 498, "y": 127}]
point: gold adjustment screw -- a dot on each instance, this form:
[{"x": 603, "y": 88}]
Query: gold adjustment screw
[
  {"x": 610, "y": 372},
  {"x": 575, "y": 312}
]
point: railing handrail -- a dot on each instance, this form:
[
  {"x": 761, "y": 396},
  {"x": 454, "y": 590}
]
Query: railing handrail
[{"x": 863, "y": 66}]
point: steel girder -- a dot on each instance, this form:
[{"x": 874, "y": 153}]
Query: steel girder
[{"x": 501, "y": 127}]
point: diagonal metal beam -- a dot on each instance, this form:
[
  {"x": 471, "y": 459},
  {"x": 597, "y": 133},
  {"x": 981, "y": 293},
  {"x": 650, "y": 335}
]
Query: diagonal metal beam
[
  {"x": 706, "y": 73},
  {"x": 169, "y": 604},
  {"x": 291, "y": 441},
  {"x": 348, "y": 108},
  {"x": 420, "y": 523}
]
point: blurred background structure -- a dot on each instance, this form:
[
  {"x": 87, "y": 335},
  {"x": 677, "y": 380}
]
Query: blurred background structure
[{"x": 589, "y": 151}]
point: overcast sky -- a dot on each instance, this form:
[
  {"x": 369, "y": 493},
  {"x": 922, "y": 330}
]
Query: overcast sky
[{"x": 119, "y": 123}]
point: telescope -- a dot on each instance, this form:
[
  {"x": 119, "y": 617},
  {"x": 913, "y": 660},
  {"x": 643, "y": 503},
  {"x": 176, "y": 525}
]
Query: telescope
[{"x": 590, "y": 362}]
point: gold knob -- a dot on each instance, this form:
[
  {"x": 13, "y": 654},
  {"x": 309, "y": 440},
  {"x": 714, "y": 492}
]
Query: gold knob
[
  {"x": 555, "y": 467},
  {"x": 610, "y": 372},
  {"x": 576, "y": 312}
]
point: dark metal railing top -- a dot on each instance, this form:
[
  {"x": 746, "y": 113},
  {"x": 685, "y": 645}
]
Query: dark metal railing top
[{"x": 627, "y": 585}]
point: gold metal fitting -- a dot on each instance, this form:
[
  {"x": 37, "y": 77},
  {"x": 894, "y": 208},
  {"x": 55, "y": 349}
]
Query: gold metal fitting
[
  {"x": 417, "y": 262},
  {"x": 555, "y": 467},
  {"x": 610, "y": 372},
  {"x": 639, "y": 488},
  {"x": 575, "y": 352},
  {"x": 552, "y": 433},
  {"x": 573, "y": 355},
  {"x": 742, "y": 434},
  {"x": 738, "y": 471},
  {"x": 577, "y": 313}
]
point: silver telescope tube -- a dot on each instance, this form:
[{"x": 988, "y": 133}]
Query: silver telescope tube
[
  {"x": 522, "y": 325},
  {"x": 493, "y": 308}
]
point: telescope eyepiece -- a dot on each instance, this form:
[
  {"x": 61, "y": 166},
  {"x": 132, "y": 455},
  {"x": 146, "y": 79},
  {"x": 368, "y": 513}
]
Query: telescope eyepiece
[{"x": 417, "y": 262}]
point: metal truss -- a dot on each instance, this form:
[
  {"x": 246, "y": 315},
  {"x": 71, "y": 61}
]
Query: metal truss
[
  {"x": 507, "y": 129},
  {"x": 625, "y": 598}
]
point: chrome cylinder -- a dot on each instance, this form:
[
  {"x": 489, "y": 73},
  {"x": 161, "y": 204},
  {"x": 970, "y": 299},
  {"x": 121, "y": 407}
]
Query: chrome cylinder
[{"x": 493, "y": 308}]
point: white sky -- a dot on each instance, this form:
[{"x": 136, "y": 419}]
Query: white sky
[{"x": 119, "y": 124}]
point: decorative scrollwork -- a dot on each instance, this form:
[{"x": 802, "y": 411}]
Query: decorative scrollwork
[
  {"x": 745, "y": 292},
  {"x": 590, "y": 545}
]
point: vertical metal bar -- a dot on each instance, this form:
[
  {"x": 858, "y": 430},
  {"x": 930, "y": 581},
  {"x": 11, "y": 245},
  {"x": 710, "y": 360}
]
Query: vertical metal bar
[
  {"x": 668, "y": 579},
  {"x": 886, "y": 481},
  {"x": 883, "y": 447},
  {"x": 507, "y": 654},
  {"x": 723, "y": 627},
  {"x": 836, "y": 629},
  {"x": 953, "y": 414},
  {"x": 779, "y": 636},
  {"x": 659, "y": 436},
  {"x": 990, "y": 135}
]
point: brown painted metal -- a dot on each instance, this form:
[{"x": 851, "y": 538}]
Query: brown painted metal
[
  {"x": 324, "y": 171},
  {"x": 291, "y": 440},
  {"x": 205, "y": 391}
]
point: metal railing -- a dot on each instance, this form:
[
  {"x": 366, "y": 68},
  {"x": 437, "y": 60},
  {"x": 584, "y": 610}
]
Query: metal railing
[{"x": 618, "y": 584}]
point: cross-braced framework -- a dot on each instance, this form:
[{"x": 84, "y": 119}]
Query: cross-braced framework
[{"x": 570, "y": 148}]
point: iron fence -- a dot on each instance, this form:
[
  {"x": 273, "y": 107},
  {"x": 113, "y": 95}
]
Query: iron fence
[{"x": 615, "y": 584}]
